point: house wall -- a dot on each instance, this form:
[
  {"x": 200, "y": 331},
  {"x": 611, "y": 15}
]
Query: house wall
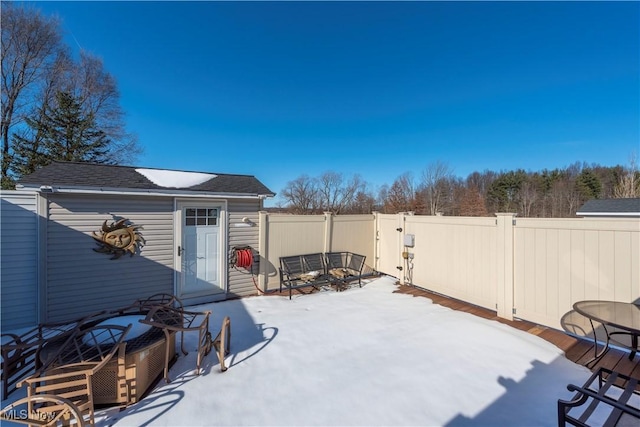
[
  {"x": 78, "y": 280},
  {"x": 18, "y": 259},
  {"x": 243, "y": 282}
]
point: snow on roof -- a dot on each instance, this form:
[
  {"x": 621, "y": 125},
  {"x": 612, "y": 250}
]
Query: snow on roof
[{"x": 175, "y": 179}]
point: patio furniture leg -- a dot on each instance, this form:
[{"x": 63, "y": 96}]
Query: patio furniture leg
[
  {"x": 634, "y": 346},
  {"x": 598, "y": 355},
  {"x": 167, "y": 353},
  {"x": 222, "y": 342}
]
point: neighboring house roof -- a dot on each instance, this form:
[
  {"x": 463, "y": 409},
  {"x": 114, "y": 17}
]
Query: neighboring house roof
[
  {"x": 91, "y": 177},
  {"x": 610, "y": 207}
]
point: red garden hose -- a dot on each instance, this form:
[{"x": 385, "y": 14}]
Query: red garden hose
[{"x": 244, "y": 258}]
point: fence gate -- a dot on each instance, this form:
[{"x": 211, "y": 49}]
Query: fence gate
[{"x": 388, "y": 244}]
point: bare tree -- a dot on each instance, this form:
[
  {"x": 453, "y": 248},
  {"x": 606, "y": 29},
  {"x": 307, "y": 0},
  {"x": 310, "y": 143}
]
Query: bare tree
[
  {"x": 472, "y": 202},
  {"x": 335, "y": 194},
  {"x": 528, "y": 196},
  {"x": 401, "y": 197},
  {"x": 628, "y": 185},
  {"x": 30, "y": 45},
  {"x": 481, "y": 181},
  {"x": 435, "y": 180},
  {"x": 363, "y": 203},
  {"x": 301, "y": 195},
  {"x": 99, "y": 95}
]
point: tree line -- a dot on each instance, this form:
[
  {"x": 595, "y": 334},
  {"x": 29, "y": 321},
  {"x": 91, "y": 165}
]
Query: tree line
[
  {"x": 547, "y": 193},
  {"x": 55, "y": 106}
]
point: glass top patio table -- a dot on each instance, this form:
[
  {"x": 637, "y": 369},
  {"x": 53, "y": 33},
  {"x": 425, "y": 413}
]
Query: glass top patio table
[{"x": 621, "y": 315}]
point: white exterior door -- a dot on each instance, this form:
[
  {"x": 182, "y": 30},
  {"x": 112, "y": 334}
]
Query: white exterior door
[{"x": 200, "y": 250}]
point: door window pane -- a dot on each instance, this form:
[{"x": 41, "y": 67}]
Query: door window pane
[{"x": 200, "y": 216}]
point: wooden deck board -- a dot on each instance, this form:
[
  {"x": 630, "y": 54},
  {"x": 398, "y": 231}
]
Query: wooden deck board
[{"x": 576, "y": 349}]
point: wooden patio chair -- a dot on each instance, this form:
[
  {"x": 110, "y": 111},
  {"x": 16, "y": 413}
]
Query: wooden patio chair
[
  {"x": 51, "y": 411},
  {"x": 70, "y": 370}
]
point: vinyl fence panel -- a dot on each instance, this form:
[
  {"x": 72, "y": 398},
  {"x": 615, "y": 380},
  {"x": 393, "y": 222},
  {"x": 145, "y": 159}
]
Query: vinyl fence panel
[{"x": 558, "y": 262}]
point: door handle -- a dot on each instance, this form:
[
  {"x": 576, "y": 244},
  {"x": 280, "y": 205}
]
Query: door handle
[{"x": 180, "y": 250}]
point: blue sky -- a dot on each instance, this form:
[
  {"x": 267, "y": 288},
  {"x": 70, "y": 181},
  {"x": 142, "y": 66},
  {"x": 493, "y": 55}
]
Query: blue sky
[{"x": 282, "y": 89}]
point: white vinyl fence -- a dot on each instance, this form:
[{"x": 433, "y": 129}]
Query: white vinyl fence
[
  {"x": 560, "y": 261},
  {"x": 284, "y": 235},
  {"x": 533, "y": 269}
]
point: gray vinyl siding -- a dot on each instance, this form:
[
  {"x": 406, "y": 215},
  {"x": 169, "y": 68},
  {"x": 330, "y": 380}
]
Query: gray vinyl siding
[
  {"x": 79, "y": 280},
  {"x": 241, "y": 281},
  {"x": 19, "y": 259}
]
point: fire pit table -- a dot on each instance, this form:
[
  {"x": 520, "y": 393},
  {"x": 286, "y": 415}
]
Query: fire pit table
[
  {"x": 144, "y": 362},
  {"x": 125, "y": 379}
]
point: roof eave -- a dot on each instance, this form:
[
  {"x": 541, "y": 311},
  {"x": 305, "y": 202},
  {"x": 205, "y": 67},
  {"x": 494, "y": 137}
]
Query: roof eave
[
  {"x": 169, "y": 192},
  {"x": 608, "y": 213}
]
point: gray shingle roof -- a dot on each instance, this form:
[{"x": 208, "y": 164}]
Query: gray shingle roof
[
  {"x": 611, "y": 206},
  {"x": 91, "y": 175}
]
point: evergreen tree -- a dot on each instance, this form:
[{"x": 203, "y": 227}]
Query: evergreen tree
[
  {"x": 588, "y": 185},
  {"x": 504, "y": 191},
  {"x": 61, "y": 132}
]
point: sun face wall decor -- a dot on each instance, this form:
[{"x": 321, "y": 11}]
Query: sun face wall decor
[{"x": 118, "y": 238}]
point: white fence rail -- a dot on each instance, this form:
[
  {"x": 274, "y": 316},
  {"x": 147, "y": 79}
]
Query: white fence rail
[{"x": 533, "y": 269}]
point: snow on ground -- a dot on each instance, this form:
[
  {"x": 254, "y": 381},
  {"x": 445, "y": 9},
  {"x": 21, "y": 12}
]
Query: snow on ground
[{"x": 362, "y": 357}]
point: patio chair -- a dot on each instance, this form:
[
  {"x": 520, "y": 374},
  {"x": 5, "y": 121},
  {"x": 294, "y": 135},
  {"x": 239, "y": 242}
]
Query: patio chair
[
  {"x": 301, "y": 271},
  {"x": 599, "y": 394},
  {"x": 143, "y": 305},
  {"x": 70, "y": 370},
  {"x": 174, "y": 320},
  {"x": 51, "y": 411},
  {"x": 346, "y": 266},
  {"x": 21, "y": 354}
]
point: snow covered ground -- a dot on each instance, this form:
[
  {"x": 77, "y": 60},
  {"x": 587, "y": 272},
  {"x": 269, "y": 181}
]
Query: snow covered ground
[{"x": 361, "y": 357}]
